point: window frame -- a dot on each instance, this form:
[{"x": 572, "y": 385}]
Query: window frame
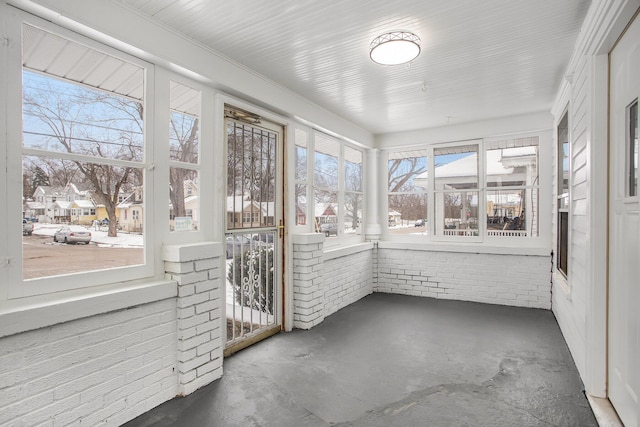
[
  {"x": 15, "y": 292},
  {"x": 482, "y": 239},
  {"x": 341, "y": 238},
  {"x": 560, "y": 209},
  {"x": 190, "y": 166}
]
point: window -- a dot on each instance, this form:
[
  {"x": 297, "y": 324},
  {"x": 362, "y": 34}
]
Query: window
[
  {"x": 512, "y": 187},
  {"x": 325, "y": 176},
  {"x": 301, "y": 182},
  {"x": 83, "y": 135},
  {"x": 563, "y": 172},
  {"x": 353, "y": 195},
  {"x": 442, "y": 192},
  {"x": 632, "y": 150},
  {"x": 332, "y": 171},
  {"x": 456, "y": 192},
  {"x": 407, "y": 192},
  {"x": 184, "y": 145}
]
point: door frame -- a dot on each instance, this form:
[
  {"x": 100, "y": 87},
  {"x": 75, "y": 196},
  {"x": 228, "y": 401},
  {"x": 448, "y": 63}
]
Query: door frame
[
  {"x": 286, "y": 296},
  {"x": 634, "y": 16}
]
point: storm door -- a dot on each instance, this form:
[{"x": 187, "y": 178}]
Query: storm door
[{"x": 253, "y": 237}]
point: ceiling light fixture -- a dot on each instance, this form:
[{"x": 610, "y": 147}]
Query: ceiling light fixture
[{"x": 395, "y": 47}]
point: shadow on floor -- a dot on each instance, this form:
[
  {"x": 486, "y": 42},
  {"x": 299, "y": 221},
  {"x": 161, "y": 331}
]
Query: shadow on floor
[{"x": 393, "y": 360}]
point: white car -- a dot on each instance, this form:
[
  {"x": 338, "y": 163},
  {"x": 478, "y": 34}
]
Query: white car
[{"x": 66, "y": 235}]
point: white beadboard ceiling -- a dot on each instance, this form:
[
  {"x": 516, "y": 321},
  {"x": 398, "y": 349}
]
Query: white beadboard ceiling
[{"x": 479, "y": 59}]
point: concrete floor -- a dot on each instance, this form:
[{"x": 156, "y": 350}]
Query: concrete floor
[{"x": 392, "y": 360}]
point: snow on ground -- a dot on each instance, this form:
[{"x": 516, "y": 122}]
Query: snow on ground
[
  {"x": 99, "y": 237},
  {"x": 125, "y": 240}
]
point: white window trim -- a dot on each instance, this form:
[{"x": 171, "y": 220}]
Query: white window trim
[
  {"x": 95, "y": 291},
  {"x": 559, "y": 277},
  {"x": 19, "y": 288},
  {"x": 433, "y": 242},
  {"x": 342, "y": 238}
]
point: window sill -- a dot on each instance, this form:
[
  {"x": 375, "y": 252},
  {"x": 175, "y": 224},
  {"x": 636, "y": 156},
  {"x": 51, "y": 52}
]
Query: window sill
[
  {"x": 466, "y": 247},
  {"x": 29, "y": 314},
  {"x": 347, "y": 250}
]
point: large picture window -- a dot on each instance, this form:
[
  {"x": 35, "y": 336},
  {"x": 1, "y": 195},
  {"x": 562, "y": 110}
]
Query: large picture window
[
  {"x": 484, "y": 190},
  {"x": 84, "y": 162}
]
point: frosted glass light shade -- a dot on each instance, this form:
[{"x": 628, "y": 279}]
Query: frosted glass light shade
[{"x": 393, "y": 48}]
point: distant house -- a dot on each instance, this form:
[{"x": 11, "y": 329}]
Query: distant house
[
  {"x": 192, "y": 209},
  {"x": 394, "y": 217},
  {"x": 83, "y": 212},
  {"x": 130, "y": 212},
  {"x": 243, "y": 213},
  {"x": 52, "y": 204},
  {"x": 325, "y": 213}
]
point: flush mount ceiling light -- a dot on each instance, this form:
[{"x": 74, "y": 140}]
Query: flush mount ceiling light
[{"x": 395, "y": 47}]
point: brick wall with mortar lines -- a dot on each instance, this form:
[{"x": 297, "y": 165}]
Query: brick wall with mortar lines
[
  {"x": 100, "y": 370},
  {"x": 516, "y": 280},
  {"x": 323, "y": 283},
  {"x": 346, "y": 280},
  {"x": 307, "y": 284},
  {"x": 198, "y": 273}
]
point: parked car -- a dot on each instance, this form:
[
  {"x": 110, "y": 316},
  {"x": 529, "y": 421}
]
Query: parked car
[
  {"x": 329, "y": 228},
  {"x": 235, "y": 245},
  {"x": 420, "y": 223},
  {"x": 66, "y": 235},
  {"x": 27, "y": 228}
]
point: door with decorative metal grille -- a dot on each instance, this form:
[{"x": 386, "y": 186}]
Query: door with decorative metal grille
[{"x": 254, "y": 232}]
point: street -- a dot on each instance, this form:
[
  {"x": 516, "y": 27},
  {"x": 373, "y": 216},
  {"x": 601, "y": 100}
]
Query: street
[{"x": 42, "y": 257}]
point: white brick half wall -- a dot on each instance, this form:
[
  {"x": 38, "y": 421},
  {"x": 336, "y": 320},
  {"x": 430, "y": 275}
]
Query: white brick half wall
[
  {"x": 100, "y": 370},
  {"x": 108, "y": 368},
  {"x": 326, "y": 281},
  {"x": 518, "y": 280},
  {"x": 197, "y": 270}
]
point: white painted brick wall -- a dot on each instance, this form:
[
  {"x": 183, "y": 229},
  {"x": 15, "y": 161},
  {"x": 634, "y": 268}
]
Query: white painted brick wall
[
  {"x": 107, "y": 369},
  {"x": 198, "y": 273},
  {"x": 101, "y": 370},
  {"x": 516, "y": 280},
  {"x": 307, "y": 282},
  {"x": 324, "y": 284},
  {"x": 346, "y": 280}
]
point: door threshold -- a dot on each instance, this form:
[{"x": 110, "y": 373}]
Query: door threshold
[
  {"x": 605, "y": 414},
  {"x": 237, "y": 346}
]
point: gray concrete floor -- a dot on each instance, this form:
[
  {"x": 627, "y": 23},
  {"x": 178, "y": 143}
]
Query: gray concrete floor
[{"x": 392, "y": 360}]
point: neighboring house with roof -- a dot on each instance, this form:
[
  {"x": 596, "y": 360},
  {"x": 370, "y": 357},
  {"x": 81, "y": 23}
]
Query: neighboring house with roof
[
  {"x": 243, "y": 213},
  {"x": 513, "y": 167},
  {"x": 83, "y": 212},
  {"x": 50, "y": 204},
  {"x": 130, "y": 212}
]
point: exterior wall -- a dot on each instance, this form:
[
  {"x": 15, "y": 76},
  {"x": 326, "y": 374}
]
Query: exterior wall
[
  {"x": 518, "y": 280},
  {"x": 580, "y": 302},
  {"x": 570, "y": 298},
  {"x": 325, "y": 282},
  {"x": 106, "y": 368}
]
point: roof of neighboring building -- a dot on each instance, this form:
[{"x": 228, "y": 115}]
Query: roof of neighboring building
[{"x": 83, "y": 204}]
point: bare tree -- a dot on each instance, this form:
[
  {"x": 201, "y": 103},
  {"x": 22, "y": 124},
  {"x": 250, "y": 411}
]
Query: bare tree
[
  {"x": 79, "y": 120},
  {"x": 401, "y": 171},
  {"x": 184, "y": 148}
]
